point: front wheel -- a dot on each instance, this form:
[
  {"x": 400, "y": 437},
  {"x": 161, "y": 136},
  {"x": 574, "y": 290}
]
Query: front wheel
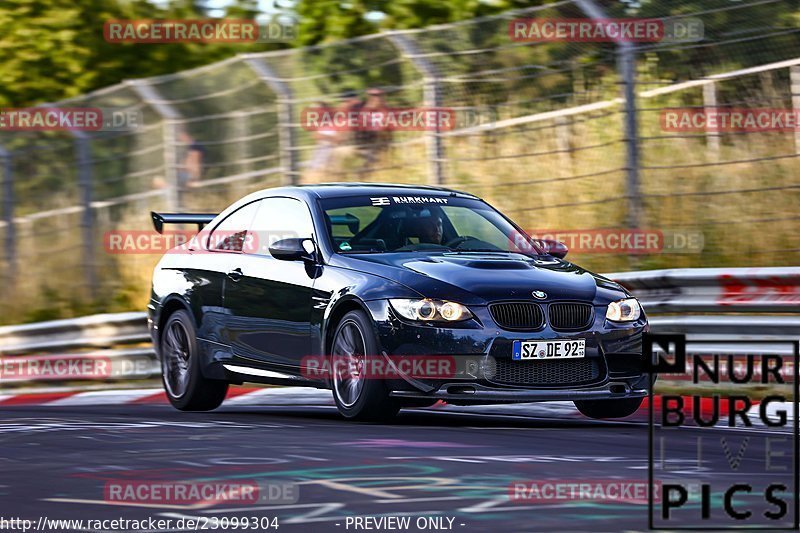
[
  {"x": 608, "y": 408},
  {"x": 187, "y": 389},
  {"x": 358, "y": 395}
]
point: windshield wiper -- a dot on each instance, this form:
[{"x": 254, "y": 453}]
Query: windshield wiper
[
  {"x": 352, "y": 252},
  {"x": 481, "y": 250},
  {"x": 443, "y": 249}
]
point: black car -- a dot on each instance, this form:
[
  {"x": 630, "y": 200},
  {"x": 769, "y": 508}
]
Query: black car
[{"x": 392, "y": 296}]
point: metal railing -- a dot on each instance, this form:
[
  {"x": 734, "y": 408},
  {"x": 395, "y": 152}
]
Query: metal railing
[
  {"x": 85, "y": 332},
  {"x": 715, "y": 290}
]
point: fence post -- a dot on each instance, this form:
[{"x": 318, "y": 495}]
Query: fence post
[
  {"x": 432, "y": 96},
  {"x": 563, "y": 133},
  {"x": 285, "y": 103},
  {"x": 627, "y": 59},
  {"x": 710, "y": 106},
  {"x": 170, "y": 118},
  {"x": 241, "y": 129},
  {"x": 8, "y": 217},
  {"x": 794, "y": 77},
  {"x": 84, "y": 159},
  {"x": 626, "y": 65}
]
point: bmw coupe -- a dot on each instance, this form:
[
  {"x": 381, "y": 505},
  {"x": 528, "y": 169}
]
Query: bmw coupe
[{"x": 391, "y": 296}]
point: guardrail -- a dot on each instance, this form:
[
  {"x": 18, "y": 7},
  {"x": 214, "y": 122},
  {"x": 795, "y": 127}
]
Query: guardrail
[
  {"x": 86, "y": 332},
  {"x": 49, "y": 348},
  {"x": 725, "y": 292},
  {"x": 715, "y": 290}
]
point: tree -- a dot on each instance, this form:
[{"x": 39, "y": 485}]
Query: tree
[
  {"x": 323, "y": 21},
  {"x": 55, "y": 49}
]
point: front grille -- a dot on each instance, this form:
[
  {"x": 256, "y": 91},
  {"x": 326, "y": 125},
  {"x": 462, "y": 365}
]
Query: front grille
[
  {"x": 553, "y": 372},
  {"x": 520, "y": 316},
  {"x": 570, "y": 316}
]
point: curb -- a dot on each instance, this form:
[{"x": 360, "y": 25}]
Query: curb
[{"x": 301, "y": 396}]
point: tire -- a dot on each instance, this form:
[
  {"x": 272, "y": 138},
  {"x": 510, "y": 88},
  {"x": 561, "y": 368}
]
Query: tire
[
  {"x": 181, "y": 376},
  {"x": 367, "y": 399},
  {"x": 608, "y": 408}
]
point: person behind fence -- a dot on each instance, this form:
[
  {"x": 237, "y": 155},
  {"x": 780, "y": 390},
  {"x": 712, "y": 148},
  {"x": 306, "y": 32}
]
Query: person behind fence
[
  {"x": 326, "y": 139},
  {"x": 340, "y": 140},
  {"x": 192, "y": 157},
  {"x": 372, "y": 141},
  {"x": 351, "y": 103}
]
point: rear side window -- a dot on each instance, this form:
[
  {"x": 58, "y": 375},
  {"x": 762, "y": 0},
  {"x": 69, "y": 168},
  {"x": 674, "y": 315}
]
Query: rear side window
[
  {"x": 230, "y": 235},
  {"x": 277, "y": 219}
]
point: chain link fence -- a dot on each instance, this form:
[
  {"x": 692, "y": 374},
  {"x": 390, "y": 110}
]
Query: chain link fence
[{"x": 561, "y": 135}]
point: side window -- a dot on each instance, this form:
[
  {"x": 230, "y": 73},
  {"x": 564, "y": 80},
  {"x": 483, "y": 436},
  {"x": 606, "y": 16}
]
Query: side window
[
  {"x": 280, "y": 218},
  {"x": 231, "y": 233}
]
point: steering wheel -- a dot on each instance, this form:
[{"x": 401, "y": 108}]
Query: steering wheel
[{"x": 458, "y": 241}]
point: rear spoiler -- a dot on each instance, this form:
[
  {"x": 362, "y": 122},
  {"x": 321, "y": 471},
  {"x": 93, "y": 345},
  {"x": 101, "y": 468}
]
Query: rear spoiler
[{"x": 201, "y": 219}]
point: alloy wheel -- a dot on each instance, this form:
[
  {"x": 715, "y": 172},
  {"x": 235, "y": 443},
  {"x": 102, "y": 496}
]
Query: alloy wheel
[
  {"x": 176, "y": 359},
  {"x": 348, "y": 363}
]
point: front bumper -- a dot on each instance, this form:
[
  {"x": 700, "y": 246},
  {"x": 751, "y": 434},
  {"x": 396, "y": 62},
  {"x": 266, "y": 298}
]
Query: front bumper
[
  {"x": 466, "y": 393},
  {"x": 613, "y": 367}
]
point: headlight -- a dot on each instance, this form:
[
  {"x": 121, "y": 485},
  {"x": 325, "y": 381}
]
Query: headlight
[
  {"x": 430, "y": 310},
  {"x": 626, "y": 310}
]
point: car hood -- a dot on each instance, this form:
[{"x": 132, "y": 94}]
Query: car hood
[{"x": 479, "y": 278}]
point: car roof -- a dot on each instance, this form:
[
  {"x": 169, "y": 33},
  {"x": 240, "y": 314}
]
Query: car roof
[{"x": 334, "y": 190}]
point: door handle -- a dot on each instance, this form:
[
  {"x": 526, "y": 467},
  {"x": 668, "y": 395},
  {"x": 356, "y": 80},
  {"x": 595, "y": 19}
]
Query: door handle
[{"x": 235, "y": 274}]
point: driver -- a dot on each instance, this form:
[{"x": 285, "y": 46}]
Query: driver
[{"x": 429, "y": 229}]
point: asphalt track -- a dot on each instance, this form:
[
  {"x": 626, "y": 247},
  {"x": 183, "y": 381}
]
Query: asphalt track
[{"x": 56, "y": 461}]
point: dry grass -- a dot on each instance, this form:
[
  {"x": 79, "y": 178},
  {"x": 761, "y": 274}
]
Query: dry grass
[{"x": 544, "y": 175}]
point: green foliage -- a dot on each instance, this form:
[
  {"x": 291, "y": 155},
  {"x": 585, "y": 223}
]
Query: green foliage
[
  {"x": 54, "y": 49},
  {"x": 331, "y": 20}
]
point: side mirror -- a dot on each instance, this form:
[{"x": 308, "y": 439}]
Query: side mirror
[
  {"x": 293, "y": 250},
  {"x": 554, "y": 248}
]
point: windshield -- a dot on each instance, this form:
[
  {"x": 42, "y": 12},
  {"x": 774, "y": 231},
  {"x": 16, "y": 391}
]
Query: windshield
[{"x": 365, "y": 224}]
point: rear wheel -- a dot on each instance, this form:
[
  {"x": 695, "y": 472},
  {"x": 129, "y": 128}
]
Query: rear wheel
[
  {"x": 608, "y": 408},
  {"x": 357, "y": 395},
  {"x": 185, "y": 385}
]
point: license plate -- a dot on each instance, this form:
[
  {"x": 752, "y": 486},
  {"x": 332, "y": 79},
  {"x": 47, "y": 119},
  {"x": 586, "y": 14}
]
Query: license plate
[{"x": 571, "y": 349}]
